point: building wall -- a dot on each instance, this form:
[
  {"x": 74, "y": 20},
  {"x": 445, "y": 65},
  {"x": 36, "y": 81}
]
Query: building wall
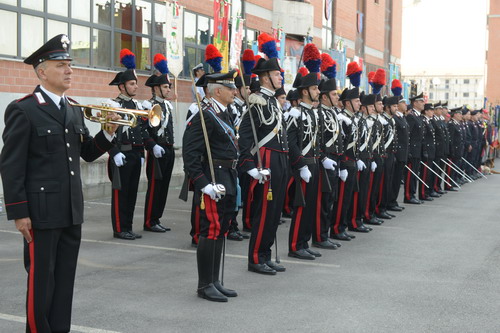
[
  {"x": 493, "y": 54},
  {"x": 375, "y": 21}
]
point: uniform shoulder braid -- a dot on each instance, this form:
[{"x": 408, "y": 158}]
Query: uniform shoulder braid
[{"x": 257, "y": 99}]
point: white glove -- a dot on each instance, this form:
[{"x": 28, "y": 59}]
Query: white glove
[
  {"x": 361, "y": 165},
  {"x": 111, "y": 103},
  {"x": 343, "y": 175},
  {"x": 344, "y": 119},
  {"x": 329, "y": 164},
  {"x": 210, "y": 191},
  {"x": 147, "y": 105},
  {"x": 119, "y": 159},
  {"x": 374, "y": 166},
  {"x": 305, "y": 174},
  {"x": 158, "y": 151},
  {"x": 265, "y": 175},
  {"x": 142, "y": 161},
  {"x": 254, "y": 173}
]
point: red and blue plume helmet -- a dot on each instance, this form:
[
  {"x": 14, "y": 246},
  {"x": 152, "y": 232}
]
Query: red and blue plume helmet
[
  {"x": 160, "y": 63},
  {"x": 267, "y": 45},
  {"x": 396, "y": 87},
  {"x": 214, "y": 58},
  {"x": 354, "y": 73},
  {"x": 328, "y": 66},
  {"x": 127, "y": 58},
  {"x": 248, "y": 61},
  {"x": 378, "y": 81},
  {"x": 312, "y": 58}
]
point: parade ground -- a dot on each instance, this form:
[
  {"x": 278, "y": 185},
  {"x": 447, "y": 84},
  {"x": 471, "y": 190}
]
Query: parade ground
[{"x": 434, "y": 268}]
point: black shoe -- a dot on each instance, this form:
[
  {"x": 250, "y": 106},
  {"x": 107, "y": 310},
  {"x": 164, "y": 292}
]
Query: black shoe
[
  {"x": 441, "y": 192},
  {"x": 163, "y": 227},
  {"x": 427, "y": 199},
  {"x": 360, "y": 229},
  {"x": 234, "y": 236},
  {"x": 453, "y": 189},
  {"x": 374, "y": 221},
  {"x": 335, "y": 243},
  {"x": 313, "y": 252},
  {"x": 301, "y": 254},
  {"x": 277, "y": 267},
  {"x": 391, "y": 215},
  {"x": 211, "y": 293},
  {"x": 247, "y": 230},
  {"x": 137, "y": 236},
  {"x": 123, "y": 235},
  {"x": 395, "y": 208},
  {"x": 325, "y": 245},
  {"x": 341, "y": 236},
  {"x": 154, "y": 228},
  {"x": 435, "y": 195},
  {"x": 224, "y": 291},
  {"x": 384, "y": 215},
  {"x": 193, "y": 243},
  {"x": 412, "y": 201},
  {"x": 245, "y": 236},
  {"x": 261, "y": 269},
  {"x": 349, "y": 235}
]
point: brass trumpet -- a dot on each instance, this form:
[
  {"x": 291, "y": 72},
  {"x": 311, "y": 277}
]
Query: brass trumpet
[{"x": 153, "y": 115}]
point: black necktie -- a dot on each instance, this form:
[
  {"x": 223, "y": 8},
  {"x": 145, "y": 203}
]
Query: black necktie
[{"x": 62, "y": 103}]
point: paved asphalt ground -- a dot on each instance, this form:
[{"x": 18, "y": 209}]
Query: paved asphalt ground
[{"x": 435, "y": 268}]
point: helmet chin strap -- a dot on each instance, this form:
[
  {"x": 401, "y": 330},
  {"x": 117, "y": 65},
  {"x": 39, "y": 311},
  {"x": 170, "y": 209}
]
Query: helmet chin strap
[{"x": 272, "y": 83}]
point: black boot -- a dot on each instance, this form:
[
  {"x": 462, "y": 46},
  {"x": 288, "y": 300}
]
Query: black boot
[
  {"x": 219, "y": 243},
  {"x": 205, "y": 256}
]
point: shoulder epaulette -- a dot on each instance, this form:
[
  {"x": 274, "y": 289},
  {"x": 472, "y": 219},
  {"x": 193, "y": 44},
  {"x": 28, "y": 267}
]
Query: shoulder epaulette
[
  {"x": 23, "y": 98},
  {"x": 256, "y": 99}
]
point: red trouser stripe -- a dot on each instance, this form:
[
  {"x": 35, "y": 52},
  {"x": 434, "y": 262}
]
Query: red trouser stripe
[
  {"x": 212, "y": 216},
  {"x": 196, "y": 224},
  {"x": 298, "y": 219},
  {"x": 318, "y": 208},
  {"x": 380, "y": 193},
  {"x": 117, "y": 212},
  {"x": 248, "y": 217},
  {"x": 151, "y": 193},
  {"x": 31, "y": 286},
  {"x": 263, "y": 212},
  {"x": 448, "y": 172},
  {"x": 368, "y": 197},
  {"x": 425, "y": 179},
  {"x": 407, "y": 184},
  {"x": 287, "y": 207},
  {"x": 436, "y": 188},
  {"x": 339, "y": 207},
  {"x": 355, "y": 206}
]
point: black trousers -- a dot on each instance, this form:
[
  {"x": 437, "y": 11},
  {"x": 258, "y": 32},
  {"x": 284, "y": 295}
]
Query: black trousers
[
  {"x": 399, "y": 171},
  {"x": 247, "y": 184},
  {"x": 427, "y": 176},
  {"x": 410, "y": 180},
  {"x": 322, "y": 226},
  {"x": 386, "y": 185},
  {"x": 215, "y": 218},
  {"x": 345, "y": 197},
  {"x": 266, "y": 213},
  {"x": 304, "y": 216},
  {"x": 360, "y": 200},
  {"x": 450, "y": 169},
  {"x": 438, "y": 183},
  {"x": 158, "y": 183},
  {"x": 50, "y": 260},
  {"x": 195, "y": 218},
  {"x": 375, "y": 188},
  {"x": 123, "y": 201}
]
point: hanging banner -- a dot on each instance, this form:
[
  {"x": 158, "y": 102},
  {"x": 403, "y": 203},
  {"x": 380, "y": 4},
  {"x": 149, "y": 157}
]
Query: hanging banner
[
  {"x": 236, "y": 41},
  {"x": 289, "y": 65},
  {"x": 280, "y": 36},
  {"x": 174, "y": 38},
  {"x": 221, "y": 30}
]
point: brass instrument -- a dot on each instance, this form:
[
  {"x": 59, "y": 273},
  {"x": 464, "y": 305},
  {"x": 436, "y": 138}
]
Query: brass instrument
[{"x": 153, "y": 115}]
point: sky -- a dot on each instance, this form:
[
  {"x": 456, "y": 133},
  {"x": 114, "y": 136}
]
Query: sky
[{"x": 444, "y": 36}]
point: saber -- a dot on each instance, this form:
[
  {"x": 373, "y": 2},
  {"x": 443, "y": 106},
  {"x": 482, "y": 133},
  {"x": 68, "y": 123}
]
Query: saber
[
  {"x": 461, "y": 171},
  {"x": 434, "y": 172},
  {"x": 457, "y": 171},
  {"x": 276, "y": 248},
  {"x": 419, "y": 179},
  {"x": 474, "y": 168},
  {"x": 444, "y": 173},
  {"x": 223, "y": 259}
]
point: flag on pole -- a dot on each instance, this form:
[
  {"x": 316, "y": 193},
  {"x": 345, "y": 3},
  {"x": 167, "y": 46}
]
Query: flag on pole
[
  {"x": 221, "y": 30},
  {"x": 174, "y": 38},
  {"x": 236, "y": 41},
  {"x": 279, "y": 35}
]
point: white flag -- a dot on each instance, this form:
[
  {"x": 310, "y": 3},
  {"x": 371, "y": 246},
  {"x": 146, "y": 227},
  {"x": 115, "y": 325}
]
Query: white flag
[{"x": 173, "y": 36}]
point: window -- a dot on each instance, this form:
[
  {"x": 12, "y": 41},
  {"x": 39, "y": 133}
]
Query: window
[
  {"x": 447, "y": 82},
  {"x": 466, "y": 81},
  {"x": 466, "y": 94},
  {"x": 198, "y": 33},
  {"x": 326, "y": 32},
  {"x": 456, "y": 94},
  {"x": 431, "y": 96},
  {"x": 446, "y": 95},
  {"x": 98, "y": 29}
]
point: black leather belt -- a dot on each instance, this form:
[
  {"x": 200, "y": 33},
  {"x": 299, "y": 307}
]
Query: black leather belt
[
  {"x": 310, "y": 160},
  {"x": 125, "y": 147},
  {"x": 230, "y": 164}
]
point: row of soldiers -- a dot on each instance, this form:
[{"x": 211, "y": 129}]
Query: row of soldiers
[{"x": 335, "y": 159}]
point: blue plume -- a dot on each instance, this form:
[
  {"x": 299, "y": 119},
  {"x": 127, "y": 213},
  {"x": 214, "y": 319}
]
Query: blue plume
[
  {"x": 215, "y": 63},
  {"x": 355, "y": 79}
]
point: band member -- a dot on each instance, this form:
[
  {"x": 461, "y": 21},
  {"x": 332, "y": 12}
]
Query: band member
[
  {"x": 428, "y": 155},
  {"x": 416, "y": 134},
  {"x": 127, "y": 157},
  {"x": 264, "y": 158},
  {"x": 159, "y": 141},
  {"x": 215, "y": 185},
  {"x": 44, "y": 138},
  {"x": 401, "y": 147}
]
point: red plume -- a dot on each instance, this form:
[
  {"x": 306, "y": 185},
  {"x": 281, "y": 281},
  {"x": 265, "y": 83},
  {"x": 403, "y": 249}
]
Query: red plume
[
  {"x": 212, "y": 52},
  {"x": 303, "y": 71},
  {"x": 379, "y": 77},
  {"x": 396, "y": 84},
  {"x": 353, "y": 67},
  {"x": 326, "y": 61},
  {"x": 257, "y": 57},
  {"x": 248, "y": 55},
  {"x": 370, "y": 76}
]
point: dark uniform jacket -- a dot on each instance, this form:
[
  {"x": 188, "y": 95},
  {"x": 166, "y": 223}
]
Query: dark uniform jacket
[
  {"x": 268, "y": 118},
  {"x": 303, "y": 136},
  {"x": 390, "y": 135},
  {"x": 163, "y": 134},
  {"x": 223, "y": 146},
  {"x": 456, "y": 139},
  {"x": 40, "y": 161},
  {"x": 416, "y": 132},
  {"x": 429, "y": 143},
  {"x": 365, "y": 137},
  {"x": 350, "y": 140},
  {"x": 378, "y": 148},
  {"x": 331, "y": 136},
  {"x": 402, "y": 144}
]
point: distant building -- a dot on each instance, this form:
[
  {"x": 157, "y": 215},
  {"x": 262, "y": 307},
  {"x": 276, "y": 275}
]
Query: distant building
[
  {"x": 493, "y": 55},
  {"x": 456, "y": 89}
]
